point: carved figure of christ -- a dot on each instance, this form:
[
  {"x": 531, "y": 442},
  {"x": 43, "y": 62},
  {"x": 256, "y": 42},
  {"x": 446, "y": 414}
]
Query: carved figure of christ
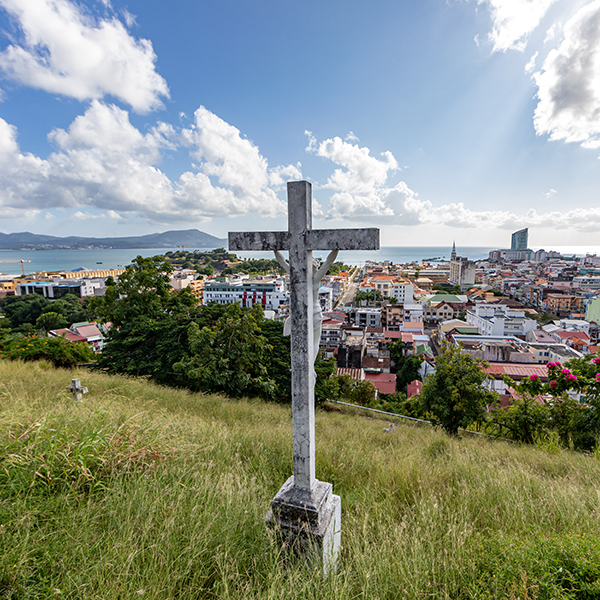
[{"x": 300, "y": 240}]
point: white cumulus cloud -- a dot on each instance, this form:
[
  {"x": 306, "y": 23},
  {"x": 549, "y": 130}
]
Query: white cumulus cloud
[
  {"x": 530, "y": 66},
  {"x": 514, "y": 20},
  {"x": 569, "y": 83},
  {"x": 245, "y": 184},
  {"x": 359, "y": 185},
  {"x": 362, "y": 193},
  {"x": 65, "y": 51},
  {"x": 102, "y": 162}
]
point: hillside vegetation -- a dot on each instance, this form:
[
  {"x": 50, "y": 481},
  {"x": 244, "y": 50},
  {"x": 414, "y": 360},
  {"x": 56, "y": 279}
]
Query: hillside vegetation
[{"x": 145, "y": 491}]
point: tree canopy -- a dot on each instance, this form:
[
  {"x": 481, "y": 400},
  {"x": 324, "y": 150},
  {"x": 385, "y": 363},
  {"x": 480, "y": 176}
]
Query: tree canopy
[{"x": 454, "y": 396}]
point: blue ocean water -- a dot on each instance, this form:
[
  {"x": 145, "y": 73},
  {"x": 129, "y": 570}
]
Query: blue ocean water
[{"x": 69, "y": 260}]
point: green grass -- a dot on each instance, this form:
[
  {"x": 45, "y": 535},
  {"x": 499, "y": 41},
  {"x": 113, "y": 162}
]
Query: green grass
[{"x": 148, "y": 492}]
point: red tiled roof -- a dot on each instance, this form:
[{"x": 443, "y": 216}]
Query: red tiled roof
[
  {"x": 88, "y": 330},
  {"x": 68, "y": 334},
  {"x": 384, "y": 382},
  {"x": 394, "y": 335},
  {"x": 565, "y": 335},
  {"x": 413, "y": 324},
  {"x": 356, "y": 374},
  {"x": 335, "y": 316},
  {"x": 516, "y": 370}
]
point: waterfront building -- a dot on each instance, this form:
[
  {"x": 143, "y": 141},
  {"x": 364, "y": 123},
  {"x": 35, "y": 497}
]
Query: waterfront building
[{"x": 519, "y": 240}]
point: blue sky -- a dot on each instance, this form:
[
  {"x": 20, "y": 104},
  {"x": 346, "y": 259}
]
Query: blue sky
[{"x": 435, "y": 120}]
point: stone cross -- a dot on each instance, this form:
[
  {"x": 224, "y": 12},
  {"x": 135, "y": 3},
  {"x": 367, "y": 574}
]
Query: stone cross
[
  {"x": 303, "y": 495},
  {"x": 77, "y": 390}
]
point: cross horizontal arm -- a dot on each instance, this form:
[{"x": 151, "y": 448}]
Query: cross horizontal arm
[
  {"x": 316, "y": 239},
  {"x": 343, "y": 239},
  {"x": 259, "y": 240}
]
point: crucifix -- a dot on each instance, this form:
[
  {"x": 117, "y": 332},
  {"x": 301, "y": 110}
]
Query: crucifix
[{"x": 305, "y": 508}]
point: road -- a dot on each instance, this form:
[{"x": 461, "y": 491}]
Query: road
[{"x": 350, "y": 291}]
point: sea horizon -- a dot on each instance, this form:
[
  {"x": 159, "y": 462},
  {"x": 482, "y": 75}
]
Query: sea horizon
[{"x": 112, "y": 258}]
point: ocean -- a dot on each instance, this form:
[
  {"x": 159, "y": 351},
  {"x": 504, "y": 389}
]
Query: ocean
[{"x": 69, "y": 260}]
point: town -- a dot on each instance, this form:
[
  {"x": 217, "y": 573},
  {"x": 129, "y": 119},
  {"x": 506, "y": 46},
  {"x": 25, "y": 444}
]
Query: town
[{"x": 518, "y": 310}]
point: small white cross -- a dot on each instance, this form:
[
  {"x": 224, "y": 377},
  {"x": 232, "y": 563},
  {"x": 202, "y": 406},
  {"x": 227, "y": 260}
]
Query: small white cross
[{"x": 77, "y": 390}]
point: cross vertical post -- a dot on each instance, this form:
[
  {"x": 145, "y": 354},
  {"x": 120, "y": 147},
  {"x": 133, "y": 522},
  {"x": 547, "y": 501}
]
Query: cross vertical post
[
  {"x": 301, "y": 312},
  {"x": 305, "y": 512}
]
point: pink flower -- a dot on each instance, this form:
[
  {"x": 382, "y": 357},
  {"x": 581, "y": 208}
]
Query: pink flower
[
  {"x": 596, "y": 360},
  {"x": 572, "y": 377},
  {"x": 597, "y": 376},
  {"x": 534, "y": 377},
  {"x": 553, "y": 383},
  {"x": 566, "y": 372}
]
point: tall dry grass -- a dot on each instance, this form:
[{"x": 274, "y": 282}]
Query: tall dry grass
[{"x": 150, "y": 492}]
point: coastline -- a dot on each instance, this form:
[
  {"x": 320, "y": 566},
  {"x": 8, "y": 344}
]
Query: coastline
[{"x": 112, "y": 258}]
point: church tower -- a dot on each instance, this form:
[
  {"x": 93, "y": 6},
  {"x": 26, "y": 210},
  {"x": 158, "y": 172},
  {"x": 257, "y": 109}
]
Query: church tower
[{"x": 453, "y": 255}]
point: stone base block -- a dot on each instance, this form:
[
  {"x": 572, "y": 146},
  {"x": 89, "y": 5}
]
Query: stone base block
[{"x": 308, "y": 523}]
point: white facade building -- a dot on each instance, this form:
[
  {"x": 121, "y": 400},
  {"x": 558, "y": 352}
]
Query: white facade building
[
  {"x": 494, "y": 320},
  {"x": 368, "y": 317},
  {"x": 85, "y": 287},
  {"x": 270, "y": 294},
  {"x": 403, "y": 291}
]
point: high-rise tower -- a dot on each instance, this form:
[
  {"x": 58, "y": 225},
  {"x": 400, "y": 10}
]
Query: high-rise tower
[{"x": 520, "y": 240}]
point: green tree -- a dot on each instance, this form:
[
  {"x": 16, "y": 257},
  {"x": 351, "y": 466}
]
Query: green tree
[
  {"x": 208, "y": 270},
  {"x": 142, "y": 290},
  {"x": 370, "y": 296},
  {"x": 364, "y": 393},
  {"x": 524, "y": 420},
  {"x": 407, "y": 370},
  {"x": 150, "y": 322},
  {"x": 21, "y": 310},
  {"x": 278, "y": 360},
  {"x": 50, "y": 320},
  {"x": 325, "y": 387},
  {"x": 230, "y": 356},
  {"x": 57, "y": 350},
  {"x": 577, "y": 424},
  {"x": 454, "y": 395}
]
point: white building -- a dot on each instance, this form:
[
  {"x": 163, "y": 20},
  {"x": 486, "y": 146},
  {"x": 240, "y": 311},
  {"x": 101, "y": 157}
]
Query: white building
[
  {"x": 587, "y": 281},
  {"x": 270, "y": 294},
  {"x": 59, "y": 287},
  {"x": 462, "y": 270},
  {"x": 494, "y": 320},
  {"x": 413, "y": 312},
  {"x": 326, "y": 299},
  {"x": 403, "y": 291},
  {"x": 368, "y": 317}
]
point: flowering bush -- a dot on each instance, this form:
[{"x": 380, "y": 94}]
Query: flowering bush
[
  {"x": 583, "y": 376},
  {"x": 577, "y": 424}
]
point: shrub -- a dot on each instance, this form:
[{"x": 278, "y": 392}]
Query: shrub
[{"x": 58, "y": 351}]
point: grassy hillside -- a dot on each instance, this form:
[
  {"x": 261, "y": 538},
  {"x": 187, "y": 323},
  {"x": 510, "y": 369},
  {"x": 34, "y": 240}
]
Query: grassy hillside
[{"x": 148, "y": 492}]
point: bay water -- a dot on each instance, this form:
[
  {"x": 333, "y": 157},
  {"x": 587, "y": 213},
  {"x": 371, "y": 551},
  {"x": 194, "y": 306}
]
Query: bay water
[{"x": 112, "y": 258}]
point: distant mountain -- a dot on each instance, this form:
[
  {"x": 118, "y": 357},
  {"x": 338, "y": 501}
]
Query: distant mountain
[{"x": 190, "y": 238}]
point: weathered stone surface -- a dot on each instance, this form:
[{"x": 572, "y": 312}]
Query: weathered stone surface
[
  {"x": 308, "y": 523},
  {"x": 305, "y": 512},
  {"x": 77, "y": 390}
]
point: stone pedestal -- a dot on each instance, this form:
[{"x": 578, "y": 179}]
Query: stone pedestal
[{"x": 308, "y": 523}]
